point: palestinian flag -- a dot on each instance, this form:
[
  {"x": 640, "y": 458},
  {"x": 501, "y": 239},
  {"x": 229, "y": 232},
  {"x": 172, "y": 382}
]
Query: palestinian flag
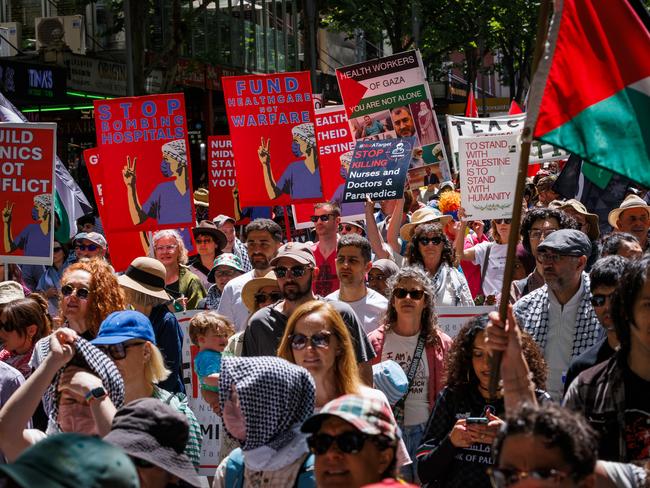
[{"x": 591, "y": 92}]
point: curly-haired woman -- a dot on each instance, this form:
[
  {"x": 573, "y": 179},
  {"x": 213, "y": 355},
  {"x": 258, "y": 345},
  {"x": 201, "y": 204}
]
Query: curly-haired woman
[
  {"x": 431, "y": 249},
  {"x": 410, "y": 336},
  {"x": 456, "y": 448}
]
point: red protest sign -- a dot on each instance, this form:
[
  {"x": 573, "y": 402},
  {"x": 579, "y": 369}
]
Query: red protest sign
[
  {"x": 27, "y": 154},
  {"x": 145, "y": 162},
  {"x": 224, "y": 195},
  {"x": 272, "y": 131}
]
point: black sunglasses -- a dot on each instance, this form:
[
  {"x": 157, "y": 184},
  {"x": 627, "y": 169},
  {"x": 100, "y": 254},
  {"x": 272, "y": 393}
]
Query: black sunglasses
[
  {"x": 425, "y": 241},
  {"x": 117, "y": 351},
  {"x": 274, "y": 296},
  {"x": 296, "y": 271},
  {"x": 319, "y": 340},
  {"x": 502, "y": 221},
  {"x": 57, "y": 249},
  {"x": 141, "y": 463},
  {"x": 322, "y": 218},
  {"x": 82, "y": 293},
  {"x": 346, "y": 228},
  {"x": 403, "y": 292},
  {"x": 599, "y": 300},
  {"x": 84, "y": 247},
  {"x": 350, "y": 442}
]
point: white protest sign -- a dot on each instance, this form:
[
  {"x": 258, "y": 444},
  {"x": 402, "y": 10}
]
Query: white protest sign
[
  {"x": 508, "y": 124},
  {"x": 210, "y": 422},
  {"x": 488, "y": 175},
  {"x": 452, "y": 319}
]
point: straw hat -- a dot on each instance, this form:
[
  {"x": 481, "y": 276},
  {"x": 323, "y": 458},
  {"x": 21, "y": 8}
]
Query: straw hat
[
  {"x": 146, "y": 275},
  {"x": 592, "y": 219},
  {"x": 423, "y": 215},
  {"x": 202, "y": 197},
  {"x": 252, "y": 288},
  {"x": 631, "y": 201}
]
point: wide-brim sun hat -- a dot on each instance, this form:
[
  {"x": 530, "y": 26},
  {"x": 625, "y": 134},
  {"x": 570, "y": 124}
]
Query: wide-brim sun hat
[
  {"x": 145, "y": 275},
  {"x": 210, "y": 228},
  {"x": 252, "y": 287},
  {"x": 225, "y": 259},
  {"x": 592, "y": 219},
  {"x": 631, "y": 201},
  {"x": 423, "y": 215}
]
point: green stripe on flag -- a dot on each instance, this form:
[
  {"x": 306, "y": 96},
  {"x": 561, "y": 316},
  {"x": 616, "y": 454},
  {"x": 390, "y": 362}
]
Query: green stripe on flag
[
  {"x": 621, "y": 121},
  {"x": 62, "y": 231},
  {"x": 387, "y": 101}
]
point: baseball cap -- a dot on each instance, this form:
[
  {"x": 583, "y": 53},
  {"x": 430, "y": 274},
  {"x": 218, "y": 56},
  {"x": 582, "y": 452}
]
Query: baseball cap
[
  {"x": 70, "y": 461},
  {"x": 368, "y": 415},
  {"x": 567, "y": 242},
  {"x": 123, "y": 326},
  {"x": 297, "y": 251},
  {"x": 94, "y": 237},
  {"x": 222, "y": 219}
]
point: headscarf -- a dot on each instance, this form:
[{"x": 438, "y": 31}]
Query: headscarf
[
  {"x": 275, "y": 397},
  {"x": 305, "y": 132},
  {"x": 100, "y": 365},
  {"x": 44, "y": 200},
  {"x": 176, "y": 149}
]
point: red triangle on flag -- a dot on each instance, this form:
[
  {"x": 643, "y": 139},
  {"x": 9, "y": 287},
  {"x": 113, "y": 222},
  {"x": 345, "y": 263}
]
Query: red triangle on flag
[
  {"x": 352, "y": 92},
  {"x": 515, "y": 108},
  {"x": 471, "y": 110}
]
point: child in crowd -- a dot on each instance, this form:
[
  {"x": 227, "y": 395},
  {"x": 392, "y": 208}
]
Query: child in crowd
[{"x": 209, "y": 331}]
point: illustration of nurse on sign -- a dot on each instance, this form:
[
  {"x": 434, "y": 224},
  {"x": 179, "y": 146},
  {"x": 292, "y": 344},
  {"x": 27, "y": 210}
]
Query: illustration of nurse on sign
[
  {"x": 169, "y": 202},
  {"x": 301, "y": 179},
  {"x": 34, "y": 239}
]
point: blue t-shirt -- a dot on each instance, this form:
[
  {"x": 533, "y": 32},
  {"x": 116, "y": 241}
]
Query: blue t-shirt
[
  {"x": 375, "y": 128},
  {"x": 33, "y": 242},
  {"x": 299, "y": 182},
  {"x": 167, "y": 205}
]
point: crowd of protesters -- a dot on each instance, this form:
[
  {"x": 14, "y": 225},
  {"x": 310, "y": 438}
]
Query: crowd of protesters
[{"x": 326, "y": 360}]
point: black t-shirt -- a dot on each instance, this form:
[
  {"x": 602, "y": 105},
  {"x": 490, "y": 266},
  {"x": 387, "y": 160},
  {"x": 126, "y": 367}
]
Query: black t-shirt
[
  {"x": 637, "y": 416},
  {"x": 266, "y": 328}
]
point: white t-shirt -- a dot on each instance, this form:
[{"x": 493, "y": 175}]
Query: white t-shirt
[
  {"x": 496, "y": 265},
  {"x": 370, "y": 309},
  {"x": 401, "y": 349}
]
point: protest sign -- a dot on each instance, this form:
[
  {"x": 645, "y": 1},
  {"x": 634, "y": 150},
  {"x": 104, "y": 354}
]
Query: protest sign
[
  {"x": 211, "y": 427},
  {"x": 271, "y": 120},
  {"x": 224, "y": 195},
  {"x": 27, "y": 153},
  {"x": 488, "y": 175},
  {"x": 378, "y": 170},
  {"x": 507, "y": 124},
  {"x": 145, "y": 162},
  {"x": 452, "y": 319},
  {"x": 335, "y": 144},
  {"x": 389, "y": 97}
]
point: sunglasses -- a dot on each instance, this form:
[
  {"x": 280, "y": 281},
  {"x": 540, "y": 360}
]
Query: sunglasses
[
  {"x": 599, "y": 300},
  {"x": 320, "y": 340},
  {"x": 502, "y": 221},
  {"x": 296, "y": 271},
  {"x": 274, "y": 296},
  {"x": 425, "y": 241},
  {"x": 225, "y": 273},
  {"x": 348, "y": 442},
  {"x": 502, "y": 478},
  {"x": 141, "y": 463},
  {"x": 322, "y": 218},
  {"x": 203, "y": 241},
  {"x": 117, "y": 351},
  {"x": 85, "y": 247},
  {"x": 346, "y": 228},
  {"x": 403, "y": 293},
  {"x": 82, "y": 293},
  {"x": 57, "y": 249}
]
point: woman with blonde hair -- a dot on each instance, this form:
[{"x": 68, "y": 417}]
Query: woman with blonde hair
[
  {"x": 183, "y": 285},
  {"x": 128, "y": 338}
]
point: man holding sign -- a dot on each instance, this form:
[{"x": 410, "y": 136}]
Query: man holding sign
[
  {"x": 301, "y": 179},
  {"x": 34, "y": 239}
]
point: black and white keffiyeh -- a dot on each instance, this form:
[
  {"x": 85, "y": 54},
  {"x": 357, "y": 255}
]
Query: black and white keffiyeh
[
  {"x": 100, "y": 365},
  {"x": 275, "y": 396},
  {"x": 531, "y": 312}
]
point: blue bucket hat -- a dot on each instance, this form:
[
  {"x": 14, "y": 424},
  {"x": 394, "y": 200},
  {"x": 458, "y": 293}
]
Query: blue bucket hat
[{"x": 123, "y": 326}]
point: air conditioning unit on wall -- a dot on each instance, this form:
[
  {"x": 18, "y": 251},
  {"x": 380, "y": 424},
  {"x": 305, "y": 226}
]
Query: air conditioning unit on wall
[
  {"x": 10, "y": 32},
  {"x": 66, "y": 32}
]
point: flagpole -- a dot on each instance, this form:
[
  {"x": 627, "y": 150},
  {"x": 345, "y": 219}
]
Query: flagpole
[{"x": 522, "y": 172}]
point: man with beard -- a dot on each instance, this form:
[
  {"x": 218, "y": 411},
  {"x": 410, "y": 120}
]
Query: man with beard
[
  {"x": 559, "y": 315},
  {"x": 263, "y": 239},
  {"x": 402, "y": 121},
  {"x": 295, "y": 268}
]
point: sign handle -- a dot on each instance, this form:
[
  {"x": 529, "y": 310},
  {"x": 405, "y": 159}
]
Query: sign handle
[{"x": 287, "y": 224}]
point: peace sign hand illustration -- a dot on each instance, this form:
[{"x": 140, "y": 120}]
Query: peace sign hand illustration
[
  {"x": 128, "y": 173},
  {"x": 7, "y": 211},
  {"x": 264, "y": 151}
]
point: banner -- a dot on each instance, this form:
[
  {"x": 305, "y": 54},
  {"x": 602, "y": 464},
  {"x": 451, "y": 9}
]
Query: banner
[
  {"x": 224, "y": 195},
  {"x": 388, "y": 98},
  {"x": 488, "y": 175},
  {"x": 452, "y": 319},
  {"x": 335, "y": 144},
  {"x": 271, "y": 119},
  {"x": 378, "y": 169},
  {"x": 145, "y": 162},
  {"x": 507, "y": 124},
  {"x": 27, "y": 154},
  {"x": 210, "y": 423}
]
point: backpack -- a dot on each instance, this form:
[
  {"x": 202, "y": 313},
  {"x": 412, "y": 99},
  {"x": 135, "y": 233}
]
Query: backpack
[{"x": 235, "y": 471}]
